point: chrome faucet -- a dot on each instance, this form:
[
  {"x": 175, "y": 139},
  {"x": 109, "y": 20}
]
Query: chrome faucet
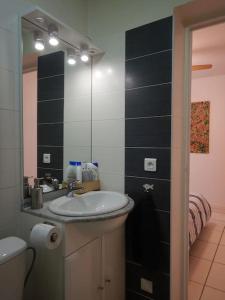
[{"x": 72, "y": 185}]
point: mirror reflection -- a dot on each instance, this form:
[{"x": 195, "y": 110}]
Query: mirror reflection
[{"x": 56, "y": 105}]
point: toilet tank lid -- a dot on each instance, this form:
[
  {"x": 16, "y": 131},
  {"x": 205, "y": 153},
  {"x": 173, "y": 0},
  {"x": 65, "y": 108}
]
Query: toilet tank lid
[{"x": 11, "y": 247}]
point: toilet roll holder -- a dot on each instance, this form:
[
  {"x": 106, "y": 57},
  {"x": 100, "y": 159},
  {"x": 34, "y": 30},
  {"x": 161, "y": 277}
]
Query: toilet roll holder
[{"x": 54, "y": 235}]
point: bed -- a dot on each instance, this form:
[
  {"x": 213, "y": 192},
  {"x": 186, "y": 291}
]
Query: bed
[{"x": 199, "y": 214}]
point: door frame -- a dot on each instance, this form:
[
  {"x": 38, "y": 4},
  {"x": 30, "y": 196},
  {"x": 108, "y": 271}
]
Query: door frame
[{"x": 187, "y": 17}]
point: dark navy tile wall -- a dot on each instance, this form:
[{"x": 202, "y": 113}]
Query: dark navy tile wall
[
  {"x": 50, "y": 114},
  {"x": 148, "y": 134}
]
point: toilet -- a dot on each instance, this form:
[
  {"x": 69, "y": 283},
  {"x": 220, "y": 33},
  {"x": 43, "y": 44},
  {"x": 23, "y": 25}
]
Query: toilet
[{"x": 12, "y": 268}]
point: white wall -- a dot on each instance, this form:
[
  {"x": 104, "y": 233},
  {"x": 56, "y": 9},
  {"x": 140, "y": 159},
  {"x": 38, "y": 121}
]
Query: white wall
[
  {"x": 207, "y": 171},
  {"x": 107, "y": 23}
]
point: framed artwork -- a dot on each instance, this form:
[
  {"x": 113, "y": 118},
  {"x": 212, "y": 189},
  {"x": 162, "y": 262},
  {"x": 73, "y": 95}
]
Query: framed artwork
[{"x": 200, "y": 127}]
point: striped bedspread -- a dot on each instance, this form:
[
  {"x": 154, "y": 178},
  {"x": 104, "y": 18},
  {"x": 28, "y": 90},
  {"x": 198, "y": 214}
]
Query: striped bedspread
[{"x": 199, "y": 214}]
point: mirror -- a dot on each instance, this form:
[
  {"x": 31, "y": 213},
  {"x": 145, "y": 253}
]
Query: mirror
[{"x": 56, "y": 97}]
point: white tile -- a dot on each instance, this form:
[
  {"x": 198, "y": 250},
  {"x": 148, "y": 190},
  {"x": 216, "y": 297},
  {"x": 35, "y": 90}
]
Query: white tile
[
  {"x": 9, "y": 129},
  {"x": 77, "y": 154},
  {"x": 8, "y": 166},
  {"x": 112, "y": 182},
  {"x": 216, "y": 278},
  {"x": 9, "y": 206},
  {"x": 203, "y": 250},
  {"x": 110, "y": 159},
  {"x": 220, "y": 255},
  {"x": 108, "y": 133},
  {"x": 108, "y": 105},
  {"x": 7, "y": 88},
  {"x": 102, "y": 80},
  {"x": 212, "y": 294},
  {"x": 77, "y": 80},
  {"x": 77, "y": 134},
  {"x": 198, "y": 269},
  {"x": 77, "y": 109},
  {"x": 194, "y": 290},
  {"x": 8, "y": 50}
]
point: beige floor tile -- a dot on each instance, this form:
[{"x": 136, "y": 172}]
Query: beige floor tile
[
  {"x": 222, "y": 241},
  {"x": 212, "y": 294},
  {"x": 220, "y": 255},
  {"x": 198, "y": 269},
  {"x": 194, "y": 290},
  {"x": 210, "y": 235},
  {"x": 216, "y": 278},
  {"x": 204, "y": 250}
]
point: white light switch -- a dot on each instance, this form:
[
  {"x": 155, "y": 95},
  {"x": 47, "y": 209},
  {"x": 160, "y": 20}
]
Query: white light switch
[
  {"x": 46, "y": 158},
  {"x": 146, "y": 285},
  {"x": 150, "y": 164}
]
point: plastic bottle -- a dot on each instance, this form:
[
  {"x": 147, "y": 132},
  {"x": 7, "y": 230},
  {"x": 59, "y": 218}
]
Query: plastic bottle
[
  {"x": 79, "y": 171},
  {"x": 93, "y": 169},
  {"x": 71, "y": 171}
]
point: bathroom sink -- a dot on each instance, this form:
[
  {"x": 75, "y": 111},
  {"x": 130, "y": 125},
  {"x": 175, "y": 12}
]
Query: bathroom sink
[{"x": 89, "y": 204}]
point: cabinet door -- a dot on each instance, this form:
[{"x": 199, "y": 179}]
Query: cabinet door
[
  {"x": 114, "y": 265},
  {"x": 83, "y": 273}
]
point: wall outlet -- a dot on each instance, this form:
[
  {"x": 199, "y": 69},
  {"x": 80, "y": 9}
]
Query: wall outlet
[
  {"x": 46, "y": 158},
  {"x": 147, "y": 285},
  {"x": 150, "y": 164}
]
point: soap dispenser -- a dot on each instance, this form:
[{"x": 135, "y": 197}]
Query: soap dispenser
[{"x": 37, "y": 195}]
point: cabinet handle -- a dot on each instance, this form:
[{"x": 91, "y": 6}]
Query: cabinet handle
[{"x": 100, "y": 288}]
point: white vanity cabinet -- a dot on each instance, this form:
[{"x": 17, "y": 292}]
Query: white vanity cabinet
[{"x": 94, "y": 266}]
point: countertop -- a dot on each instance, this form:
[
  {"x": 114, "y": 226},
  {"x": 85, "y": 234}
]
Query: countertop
[{"x": 44, "y": 212}]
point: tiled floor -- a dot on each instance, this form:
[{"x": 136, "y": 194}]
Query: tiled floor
[{"x": 207, "y": 262}]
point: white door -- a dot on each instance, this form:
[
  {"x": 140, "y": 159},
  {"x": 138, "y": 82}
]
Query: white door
[
  {"x": 114, "y": 265},
  {"x": 83, "y": 273}
]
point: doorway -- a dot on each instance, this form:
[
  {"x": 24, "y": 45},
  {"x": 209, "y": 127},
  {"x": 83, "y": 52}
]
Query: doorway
[
  {"x": 187, "y": 18},
  {"x": 207, "y": 165}
]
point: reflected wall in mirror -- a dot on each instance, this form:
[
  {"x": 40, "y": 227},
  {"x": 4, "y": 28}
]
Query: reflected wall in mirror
[{"x": 56, "y": 100}]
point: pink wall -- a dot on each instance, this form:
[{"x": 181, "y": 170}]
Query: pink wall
[
  {"x": 207, "y": 171},
  {"x": 30, "y": 123}
]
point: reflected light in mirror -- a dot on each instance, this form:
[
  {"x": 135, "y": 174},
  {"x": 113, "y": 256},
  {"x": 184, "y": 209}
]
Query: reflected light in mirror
[
  {"x": 71, "y": 61},
  {"x": 84, "y": 56},
  {"x": 39, "y": 45},
  {"x": 98, "y": 74},
  {"x": 53, "y": 40},
  {"x": 109, "y": 71}
]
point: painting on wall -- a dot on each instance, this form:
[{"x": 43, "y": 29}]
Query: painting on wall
[{"x": 200, "y": 127}]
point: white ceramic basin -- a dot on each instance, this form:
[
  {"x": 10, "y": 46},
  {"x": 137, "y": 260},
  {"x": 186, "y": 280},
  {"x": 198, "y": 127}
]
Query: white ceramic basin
[{"x": 89, "y": 204}]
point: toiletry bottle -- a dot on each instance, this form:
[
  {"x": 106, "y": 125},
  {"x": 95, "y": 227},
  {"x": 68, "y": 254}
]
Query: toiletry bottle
[
  {"x": 37, "y": 195},
  {"x": 71, "y": 171},
  {"x": 79, "y": 172}
]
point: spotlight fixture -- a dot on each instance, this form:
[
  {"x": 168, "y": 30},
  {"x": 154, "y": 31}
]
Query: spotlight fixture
[
  {"x": 84, "y": 56},
  {"x": 71, "y": 56},
  {"x": 53, "y": 35},
  {"x": 39, "y": 41},
  {"x": 84, "y": 53}
]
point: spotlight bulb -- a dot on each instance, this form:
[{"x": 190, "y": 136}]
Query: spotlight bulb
[
  {"x": 53, "y": 41},
  {"x": 71, "y": 61},
  {"x": 39, "y": 45},
  {"x": 84, "y": 57}
]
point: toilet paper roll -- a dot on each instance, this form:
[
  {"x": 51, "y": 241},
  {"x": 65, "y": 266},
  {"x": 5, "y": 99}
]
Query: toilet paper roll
[{"x": 45, "y": 236}]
